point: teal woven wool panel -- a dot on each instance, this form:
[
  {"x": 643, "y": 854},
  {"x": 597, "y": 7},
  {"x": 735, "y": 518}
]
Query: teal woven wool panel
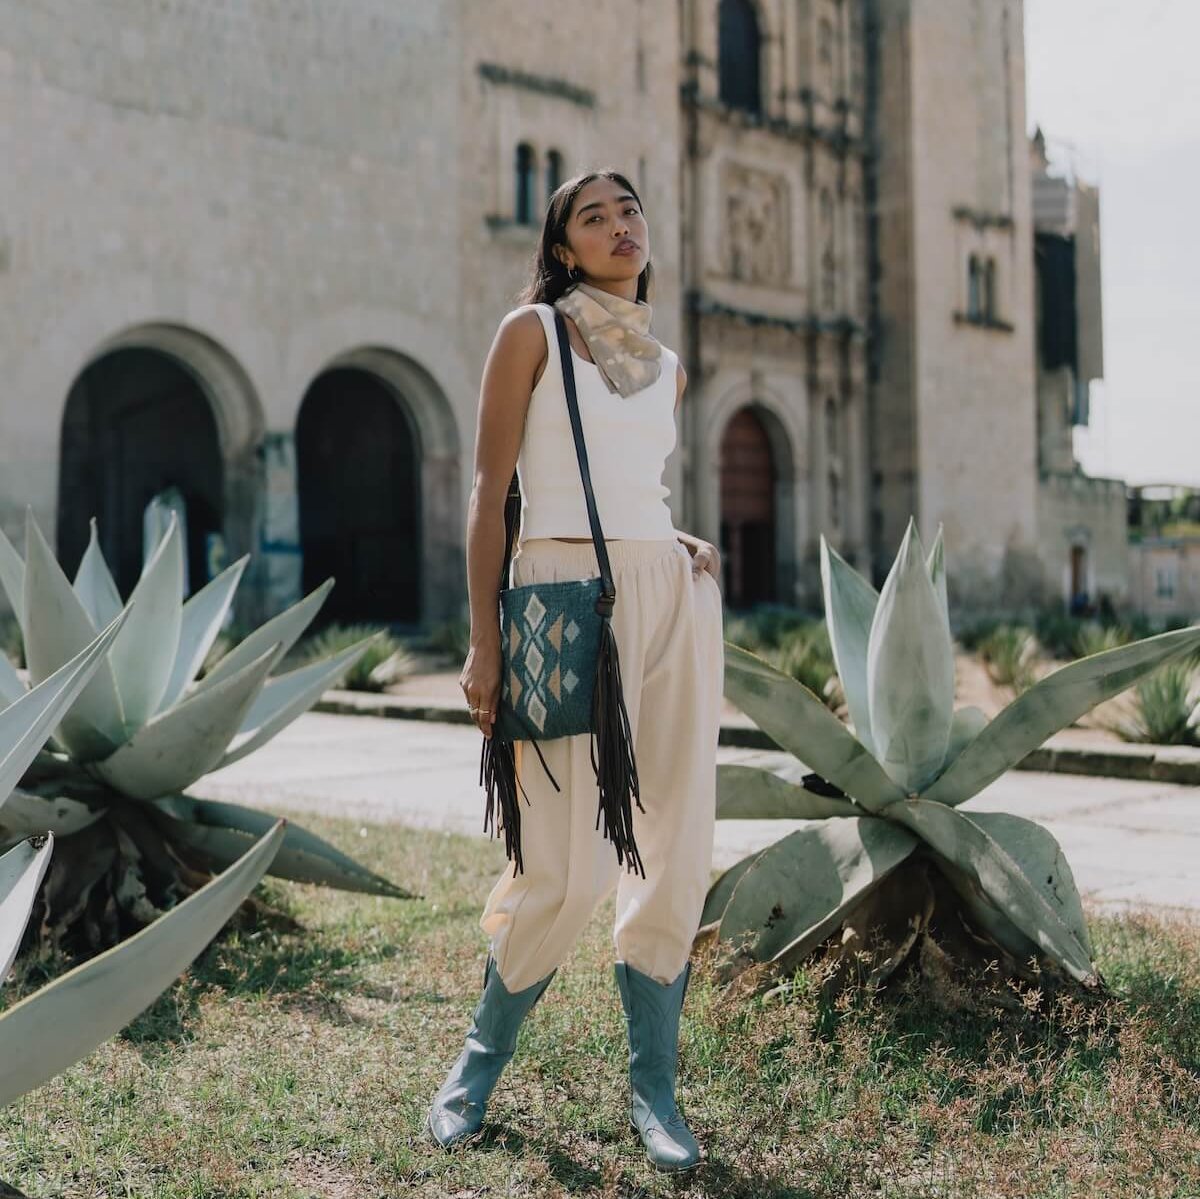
[{"x": 551, "y": 639}]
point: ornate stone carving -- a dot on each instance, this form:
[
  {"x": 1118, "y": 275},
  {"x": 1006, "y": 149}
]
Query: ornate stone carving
[{"x": 757, "y": 233}]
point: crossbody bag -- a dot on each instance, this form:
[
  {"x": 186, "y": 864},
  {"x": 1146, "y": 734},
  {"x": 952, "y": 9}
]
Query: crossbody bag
[{"x": 561, "y": 675}]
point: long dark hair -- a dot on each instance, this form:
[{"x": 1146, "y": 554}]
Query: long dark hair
[{"x": 548, "y": 278}]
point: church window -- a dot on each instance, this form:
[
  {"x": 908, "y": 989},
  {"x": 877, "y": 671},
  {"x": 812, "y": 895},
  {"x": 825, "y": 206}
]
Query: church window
[
  {"x": 740, "y": 46},
  {"x": 554, "y": 171},
  {"x": 525, "y": 184}
]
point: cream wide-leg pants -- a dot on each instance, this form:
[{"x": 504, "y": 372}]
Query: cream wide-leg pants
[{"x": 668, "y": 629}]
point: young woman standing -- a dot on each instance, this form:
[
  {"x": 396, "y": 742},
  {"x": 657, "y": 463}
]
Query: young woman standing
[{"x": 593, "y": 265}]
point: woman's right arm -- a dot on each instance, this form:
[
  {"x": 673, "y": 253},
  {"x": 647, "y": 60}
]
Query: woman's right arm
[{"x": 513, "y": 365}]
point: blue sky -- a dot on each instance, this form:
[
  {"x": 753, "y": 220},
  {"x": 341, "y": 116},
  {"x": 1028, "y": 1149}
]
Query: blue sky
[{"x": 1115, "y": 86}]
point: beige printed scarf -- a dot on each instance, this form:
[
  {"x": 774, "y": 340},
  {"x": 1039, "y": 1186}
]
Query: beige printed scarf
[{"x": 617, "y": 334}]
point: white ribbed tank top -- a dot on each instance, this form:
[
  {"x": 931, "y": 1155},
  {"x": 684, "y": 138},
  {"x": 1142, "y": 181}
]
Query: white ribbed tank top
[{"x": 628, "y": 439}]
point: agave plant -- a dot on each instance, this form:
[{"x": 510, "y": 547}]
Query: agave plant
[
  {"x": 54, "y": 1027},
  {"x": 885, "y": 848},
  {"x": 144, "y": 728},
  {"x": 1166, "y": 708}
]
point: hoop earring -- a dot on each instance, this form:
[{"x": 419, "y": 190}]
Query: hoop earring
[{"x": 574, "y": 274}]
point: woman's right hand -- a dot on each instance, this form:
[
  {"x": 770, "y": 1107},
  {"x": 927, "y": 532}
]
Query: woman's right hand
[{"x": 480, "y": 680}]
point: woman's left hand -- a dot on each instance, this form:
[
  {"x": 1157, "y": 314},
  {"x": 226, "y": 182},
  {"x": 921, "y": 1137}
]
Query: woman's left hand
[{"x": 706, "y": 557}]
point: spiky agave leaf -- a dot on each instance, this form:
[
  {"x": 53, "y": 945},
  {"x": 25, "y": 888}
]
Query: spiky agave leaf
[
  {"x": 971, "y": 847},
  {"x": 283, "y": 630},
  {"x": 200, "y": 623},
  {"x": 1051, "y": 704},
  {"x": 286, "y": 697},
  {"x": 719, "y": 893},
  {"x": 12, "y": 578},
  {"x": 967, "y": 724},
  {"x": 793, "y": 896},
  {"x": 910, "y": 671},
  {"x": 143, "y": 655},
  {"x": 57, "y": 629},
  {"x": 26, "y": 723},
  {"x": 936, "y": 564},
  {"x": 750, "y": 793},
  {"x": 27, "y": 813},
  {"x": 1042, "y": 861},
  {"x": 799, "y": 722},
  {"x": 175, "y": 748},
  {"x": 64, "y": 1021},
  {"x": 224, "y": 831},
  {"x": 94, "y": 584},
  {"x": 850, "y": 603},
  {"x": 21, "y": 871},
  {"x": 11, "y": 687}
]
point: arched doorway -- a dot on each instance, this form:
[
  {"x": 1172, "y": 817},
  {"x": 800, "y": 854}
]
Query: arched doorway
[
  {"x": 749, "y": 535},
  {"x": 136, "y": 423},
  {"x": 358, "y": 466}
]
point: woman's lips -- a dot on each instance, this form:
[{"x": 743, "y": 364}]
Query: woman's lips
[{"x": 626, "y": 248}]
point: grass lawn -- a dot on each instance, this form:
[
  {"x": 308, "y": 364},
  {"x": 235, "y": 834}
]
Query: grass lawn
[{"x": 301, "y": 1063}]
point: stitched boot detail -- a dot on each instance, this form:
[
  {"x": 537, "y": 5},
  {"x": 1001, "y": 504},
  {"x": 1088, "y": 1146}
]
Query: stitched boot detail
[
  {"x": 652, "y": 1012},
  {"x": 458, "y": 1108}
]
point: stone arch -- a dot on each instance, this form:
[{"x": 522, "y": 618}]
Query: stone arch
[
  {"x": 426, "y": 527},
  {"x": 783, "y": 435},
  {"x": 175, "y": 390}
]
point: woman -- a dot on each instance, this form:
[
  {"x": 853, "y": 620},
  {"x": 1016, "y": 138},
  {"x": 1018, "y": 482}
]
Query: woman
[{"x": 593, "y": 264}]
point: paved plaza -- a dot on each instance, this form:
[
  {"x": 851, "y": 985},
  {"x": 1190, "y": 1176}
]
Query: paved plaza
[{"x": 1128, "y": 843}]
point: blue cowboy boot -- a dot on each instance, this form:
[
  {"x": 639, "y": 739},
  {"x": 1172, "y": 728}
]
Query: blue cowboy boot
[
  {"x": 459, "y": 1105},
  {"x": 652, "y": 1017}
]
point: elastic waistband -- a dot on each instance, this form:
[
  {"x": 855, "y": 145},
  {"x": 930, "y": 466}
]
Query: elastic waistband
[{"x": 623, "y": 554}]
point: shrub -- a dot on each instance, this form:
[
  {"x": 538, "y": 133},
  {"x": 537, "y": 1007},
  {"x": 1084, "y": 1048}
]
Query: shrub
[
  {"x": 973, "y": 635},
  {"x": 743, "y": 631},
  {"x": 1165, "y": 708},
  {"x": 1008, "y": 652},
  {"x": 452, "y": 637},
  {"x": 1094, "y": 638},
  {"x": 385, "y": 662},
  {"x": 1056, "y": 631},
  {"x": 807, "y": 656},
  {"x": 766, "y": 627}
]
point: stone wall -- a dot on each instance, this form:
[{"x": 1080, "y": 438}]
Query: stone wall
[
  {"x": 263, "y": 190},
  {"x": 954, "y": 394}
]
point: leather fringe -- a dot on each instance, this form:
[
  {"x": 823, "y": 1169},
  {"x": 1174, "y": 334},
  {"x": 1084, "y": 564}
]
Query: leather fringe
[
  {"x": 498, "y": 776},
  {"x": 612, "y": 754}
]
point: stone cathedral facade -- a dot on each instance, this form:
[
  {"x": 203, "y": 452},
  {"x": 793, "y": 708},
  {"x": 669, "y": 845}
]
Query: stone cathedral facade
[{"x": 252, "y": 256}]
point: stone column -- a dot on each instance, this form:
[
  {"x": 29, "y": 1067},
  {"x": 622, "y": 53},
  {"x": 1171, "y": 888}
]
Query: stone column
[{"x": 279, "y": 573}]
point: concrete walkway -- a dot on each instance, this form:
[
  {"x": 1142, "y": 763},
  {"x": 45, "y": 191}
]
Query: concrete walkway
[{"x": 1129, "y": 843}]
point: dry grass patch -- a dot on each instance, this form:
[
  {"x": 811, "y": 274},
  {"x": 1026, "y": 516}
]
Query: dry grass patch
[{"x": 295, "y": 1064}]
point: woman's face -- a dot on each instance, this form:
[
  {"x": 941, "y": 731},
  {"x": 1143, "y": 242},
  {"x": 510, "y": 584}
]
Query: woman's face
[{"x": 607, "y": 236}]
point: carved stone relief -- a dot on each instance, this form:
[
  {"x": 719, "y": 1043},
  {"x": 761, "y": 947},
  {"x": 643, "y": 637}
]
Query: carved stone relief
[{"x": 757, "y": 241}]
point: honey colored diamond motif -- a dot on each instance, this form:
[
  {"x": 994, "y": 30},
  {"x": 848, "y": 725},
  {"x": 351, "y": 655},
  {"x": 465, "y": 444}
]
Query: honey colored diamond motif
[
  {"x": 571, "y": 632},
  {"x": 570, "y": 680},
  {"x": 535, "y": 610}
]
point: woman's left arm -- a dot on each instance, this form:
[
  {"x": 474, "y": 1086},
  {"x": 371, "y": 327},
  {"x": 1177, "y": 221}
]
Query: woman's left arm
[{"x": 704, "y": 554}]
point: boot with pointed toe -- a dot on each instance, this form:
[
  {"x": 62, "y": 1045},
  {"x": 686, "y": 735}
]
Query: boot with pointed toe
[
  {"x": 458, "y": 1108},
  {"x": 652, "y": 1017}
]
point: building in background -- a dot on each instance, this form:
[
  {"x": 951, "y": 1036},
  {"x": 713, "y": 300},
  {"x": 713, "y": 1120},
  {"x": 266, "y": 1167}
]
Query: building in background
[
  {"x": 1082, "y": 522},
  {"x": 774, "y": 288},
  {"x": 258, "y": 262},
  {"x": 953, "y": 430},
  {"x": 1164, "y": 552}
]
